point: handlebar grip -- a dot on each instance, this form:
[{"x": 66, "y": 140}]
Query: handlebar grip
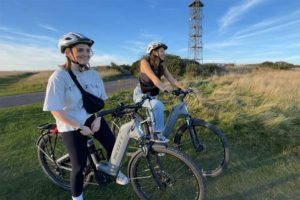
[{"x": 104, "y": 112}]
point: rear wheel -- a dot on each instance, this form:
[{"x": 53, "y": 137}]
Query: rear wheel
[
  {"x": 165, "y": 174},
  {"x": 55, "y": 161},
  {"x": 212, "y": 153}
]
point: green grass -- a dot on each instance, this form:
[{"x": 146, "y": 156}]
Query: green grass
[
  {"x": 263, "y": 134},
  {"x": 21, "y": 176},
  {"x": 18, "y": 84}
]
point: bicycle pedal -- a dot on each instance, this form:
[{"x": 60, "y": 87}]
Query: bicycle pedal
[{"x": 103, "y": 178}]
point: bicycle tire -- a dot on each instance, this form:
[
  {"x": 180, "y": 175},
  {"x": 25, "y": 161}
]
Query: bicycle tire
[
  {"x": 118, "y": 121},
  {"x": 165, "y": 169},
  {"x": 49, "y": 149},
  {"x": 214, "y": 158}
]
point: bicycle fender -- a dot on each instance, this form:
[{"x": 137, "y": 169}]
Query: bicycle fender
[{"x": 40, "y": 138}]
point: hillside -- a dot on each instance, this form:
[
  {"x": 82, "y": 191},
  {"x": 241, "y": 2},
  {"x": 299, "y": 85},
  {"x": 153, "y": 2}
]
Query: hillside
[
  {"x": 259, "y": 112},
  {"x": 12, "y": 83}
]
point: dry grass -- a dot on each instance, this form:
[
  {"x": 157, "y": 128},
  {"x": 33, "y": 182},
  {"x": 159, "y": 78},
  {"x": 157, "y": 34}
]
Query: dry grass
[
  {"x": 10, "y": 73},
  {"x": 282, "y": 85},
  {"x": 38, "y": 78},
  {"x": 105, "y": 72},
  {"x": 263, "y": 97},
  {"x": 13, "y": 82}
]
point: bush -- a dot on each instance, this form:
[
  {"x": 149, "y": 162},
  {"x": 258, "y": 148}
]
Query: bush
[
  {"x": 179, "y": 67},
  {"x": 193, "y": 69},
  {"x": 277, "y": 65},
  {"x": 211, "y": 69}
]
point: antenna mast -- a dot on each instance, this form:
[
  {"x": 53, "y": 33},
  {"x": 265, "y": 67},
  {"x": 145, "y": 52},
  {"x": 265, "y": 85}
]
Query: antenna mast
[{"x": 195, "y": 31}]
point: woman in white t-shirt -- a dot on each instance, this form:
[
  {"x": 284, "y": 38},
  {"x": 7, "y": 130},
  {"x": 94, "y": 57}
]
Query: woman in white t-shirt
[{"x": 64, "y": 100}]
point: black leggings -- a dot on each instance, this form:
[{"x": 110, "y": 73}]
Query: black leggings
[{"x": 76, "y": 145}]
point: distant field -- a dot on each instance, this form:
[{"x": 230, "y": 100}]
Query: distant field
[
  {"x": 12, "y": 83},
  {"x": 258, "y": 111}
]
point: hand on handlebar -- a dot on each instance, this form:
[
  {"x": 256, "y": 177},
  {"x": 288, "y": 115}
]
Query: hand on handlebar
[
  {"x": 168, "y": 89},
  {"x": 189, "y": 90}
]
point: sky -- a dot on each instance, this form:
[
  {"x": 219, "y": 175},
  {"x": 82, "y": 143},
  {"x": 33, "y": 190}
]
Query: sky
[{"x": 234, "y": 31}]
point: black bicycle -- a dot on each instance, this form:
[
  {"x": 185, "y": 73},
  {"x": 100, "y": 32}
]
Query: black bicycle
[{"x": 155, "y": 170}]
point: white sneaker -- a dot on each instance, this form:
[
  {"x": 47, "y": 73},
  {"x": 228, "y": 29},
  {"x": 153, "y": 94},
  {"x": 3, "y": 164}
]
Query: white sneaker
[
  {"x": 161, "y": 138},
  {"x": 80, "y": 197},
  {"x": 121, "y": 179}
]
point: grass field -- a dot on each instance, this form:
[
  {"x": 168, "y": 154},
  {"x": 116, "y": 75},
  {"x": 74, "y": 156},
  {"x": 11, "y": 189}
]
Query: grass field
[
  {"x": 13, "y": 83},
  {"x": 259, "y": 112}
]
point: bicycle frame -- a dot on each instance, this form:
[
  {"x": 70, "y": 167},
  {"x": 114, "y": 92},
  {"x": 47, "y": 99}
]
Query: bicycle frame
[
  {"x": 179, "y": 110},
  {"x": 176, "y": 112},
  {"x": 130, "y": 130}
]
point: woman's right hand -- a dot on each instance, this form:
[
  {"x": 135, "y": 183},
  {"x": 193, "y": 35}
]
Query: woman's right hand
[
  {"x": 86, "y": 131},
  {"x": 168, "y": 89}
]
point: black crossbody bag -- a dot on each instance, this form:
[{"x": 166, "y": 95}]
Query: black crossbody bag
[{"x": 91, "y": 103}]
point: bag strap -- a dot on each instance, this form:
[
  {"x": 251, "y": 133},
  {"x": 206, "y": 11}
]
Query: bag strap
[{"x": 76, "y": 82}]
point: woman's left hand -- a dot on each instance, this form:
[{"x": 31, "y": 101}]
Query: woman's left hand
[{"x": 96, "y": 124}]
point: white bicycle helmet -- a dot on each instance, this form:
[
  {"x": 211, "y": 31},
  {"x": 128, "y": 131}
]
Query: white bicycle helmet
[
  {"x": 71, "y": 39},
  {"x": 155, "y": 45}
]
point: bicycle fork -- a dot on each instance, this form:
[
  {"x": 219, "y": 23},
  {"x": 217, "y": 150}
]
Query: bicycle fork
[
  {"x": 196, "y": 143},
  {"x": 154, "y": 165}
]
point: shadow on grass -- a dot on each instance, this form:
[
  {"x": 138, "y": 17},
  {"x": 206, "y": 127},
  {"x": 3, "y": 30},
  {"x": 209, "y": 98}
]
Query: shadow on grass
[{"x": 5, "y": 81}]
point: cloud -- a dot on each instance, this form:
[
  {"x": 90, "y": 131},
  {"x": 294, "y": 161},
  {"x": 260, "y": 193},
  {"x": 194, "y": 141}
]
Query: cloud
[
  {"x": 258, "y": 34},
  {"x": 26, "y": 36},
  {"x": 268, "y": 25},
  {"x": 7, "y": 37},
  {"x": 149, "y": 36},
  {"x": 235, "y": 13},
  {"x": 183, "y": 50},
  {"x": 139, "y": 46},
  {"x": 270, "y": 22},
  {"x": 222, "y": 44},
  {"x": 106, "y": 59},
  {"x": 135, "y": 46},
  {"x": 48, "y": 27},
  {"x": 152, "y": 3},
  {"x": 25, "y": 57},
  {"x": 269, "y": 29}
]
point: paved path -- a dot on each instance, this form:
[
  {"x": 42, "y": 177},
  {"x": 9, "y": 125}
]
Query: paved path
[{"x": 30, "y": 98}]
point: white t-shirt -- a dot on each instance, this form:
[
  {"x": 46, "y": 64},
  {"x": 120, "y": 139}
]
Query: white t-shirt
[{"x": 63, "y": 94}]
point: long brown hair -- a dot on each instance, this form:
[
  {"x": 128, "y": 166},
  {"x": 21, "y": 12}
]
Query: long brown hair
[
  {"x": 153, "y": 59},
  {"x": 67, "y": 65},
  {"x": 156, "y": 62}
]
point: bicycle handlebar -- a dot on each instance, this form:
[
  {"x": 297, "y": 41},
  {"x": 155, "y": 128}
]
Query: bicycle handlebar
[
  {"x": 179, "y": 92},
  {"x": 123, "y": 109}
]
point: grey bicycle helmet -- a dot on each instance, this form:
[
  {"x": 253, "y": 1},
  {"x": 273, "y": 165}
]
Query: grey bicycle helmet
[
  {"x": 155, "y": 45},
  {"x": 71, "y": 39}
]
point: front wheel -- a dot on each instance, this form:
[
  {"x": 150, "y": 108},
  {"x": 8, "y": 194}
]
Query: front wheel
[
  {"x": 212, "y": 151},
  {"x": 165, "y": 173}
]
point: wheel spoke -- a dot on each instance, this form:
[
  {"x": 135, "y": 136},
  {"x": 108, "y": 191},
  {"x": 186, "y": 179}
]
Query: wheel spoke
[{"x": 177, "y": 179}]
